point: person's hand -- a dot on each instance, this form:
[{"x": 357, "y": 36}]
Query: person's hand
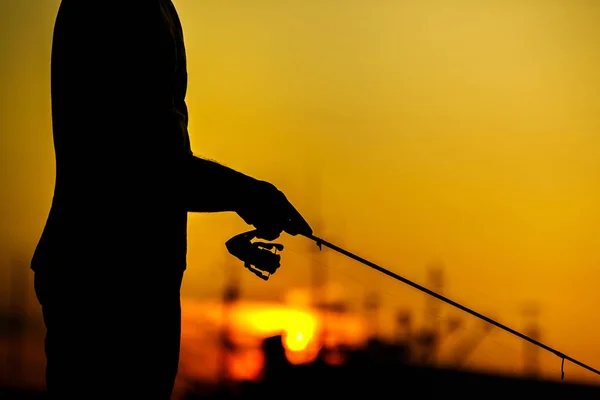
[{"x": 270, "y": 212}]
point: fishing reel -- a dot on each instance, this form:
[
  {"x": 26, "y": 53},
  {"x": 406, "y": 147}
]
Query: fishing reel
[{"x": 260, "y": 258}]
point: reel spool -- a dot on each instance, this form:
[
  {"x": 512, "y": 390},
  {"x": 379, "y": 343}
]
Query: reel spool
[{"x": 260, "y": 258}]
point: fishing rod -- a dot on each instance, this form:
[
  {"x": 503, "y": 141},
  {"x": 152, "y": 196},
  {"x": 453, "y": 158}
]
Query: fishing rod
[{"x": 261, "y": 259}]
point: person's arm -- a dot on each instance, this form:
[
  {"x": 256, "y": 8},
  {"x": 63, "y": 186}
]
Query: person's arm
[
  {"x": 212, "y": 187},
  {"x": 134, "y": 56}
]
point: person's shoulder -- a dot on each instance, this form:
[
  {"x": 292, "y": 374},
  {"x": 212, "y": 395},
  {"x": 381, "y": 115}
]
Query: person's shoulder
[
  {"x": 113, "y": 9},
  {"x": 111, "y": 15}
]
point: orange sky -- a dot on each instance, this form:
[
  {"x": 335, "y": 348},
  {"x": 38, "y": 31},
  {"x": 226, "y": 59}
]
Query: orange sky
[{"x": 460, "y": 131}]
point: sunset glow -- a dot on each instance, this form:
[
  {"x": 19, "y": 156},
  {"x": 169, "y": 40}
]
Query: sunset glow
[{"x": 410, "y": 131}]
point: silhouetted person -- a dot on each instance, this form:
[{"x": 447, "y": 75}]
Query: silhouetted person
[{"x": 110, "y": 261}]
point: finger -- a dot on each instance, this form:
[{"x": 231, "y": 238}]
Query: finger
[
  {"x": 249, "y": 220},
  {"x": 269, "y": 245},
  {"x": 296, "y": 224},
  {"x": 268, "y": 234}
]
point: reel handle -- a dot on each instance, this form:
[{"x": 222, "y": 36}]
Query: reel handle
[{"x": 260, "y": 258}]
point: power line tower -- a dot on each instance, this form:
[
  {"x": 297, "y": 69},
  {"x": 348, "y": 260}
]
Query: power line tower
[
  {"x": 466, "y": 347},
  {"x": 430, "y": 337},
  {"x": 318, "y": 270},
  {"x": 318, "y": 274},
  {"x": 531, "y": 364},
  {"x": 372, "y": 305},
  {"x": 231, "y": 294},
  {"x": 403, "y": 326},
  {"x": 433, "y": 306},
  {"x": 403, "y": 335}
]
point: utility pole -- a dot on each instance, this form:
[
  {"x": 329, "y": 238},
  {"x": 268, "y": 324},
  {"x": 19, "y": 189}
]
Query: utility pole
[
  {"x": 318, "y": 273},
  {"x": 231, "y": 294},
  {"x": 532, "y": 329},
  {"x": 403, "y": 326},
  {"x": 403, "y": 335},
  {"x": 372, "y": 304},
  {"x": 433, "y": 305},
  {"x": 431, "y": 335},
  {"x": 318, "y": 270}
]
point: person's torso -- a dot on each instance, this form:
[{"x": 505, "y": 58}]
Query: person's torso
[{"x": 115, "y": 197}]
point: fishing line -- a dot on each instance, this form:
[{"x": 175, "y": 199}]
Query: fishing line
[
  {"x": 362, "y": 284},
  {"x": 320, "y": 242}
]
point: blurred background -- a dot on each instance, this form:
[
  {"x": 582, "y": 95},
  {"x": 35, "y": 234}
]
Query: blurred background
[{"x": 453, "y": 142}]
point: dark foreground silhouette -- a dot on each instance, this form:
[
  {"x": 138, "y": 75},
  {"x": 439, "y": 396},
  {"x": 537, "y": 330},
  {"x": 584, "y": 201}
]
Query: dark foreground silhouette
[
  {"x": 110, "y": 261},
  {"x": 380, "y": 371}
]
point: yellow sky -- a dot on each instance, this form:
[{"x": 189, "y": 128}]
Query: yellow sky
[{"x": 461, "y": 131}]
